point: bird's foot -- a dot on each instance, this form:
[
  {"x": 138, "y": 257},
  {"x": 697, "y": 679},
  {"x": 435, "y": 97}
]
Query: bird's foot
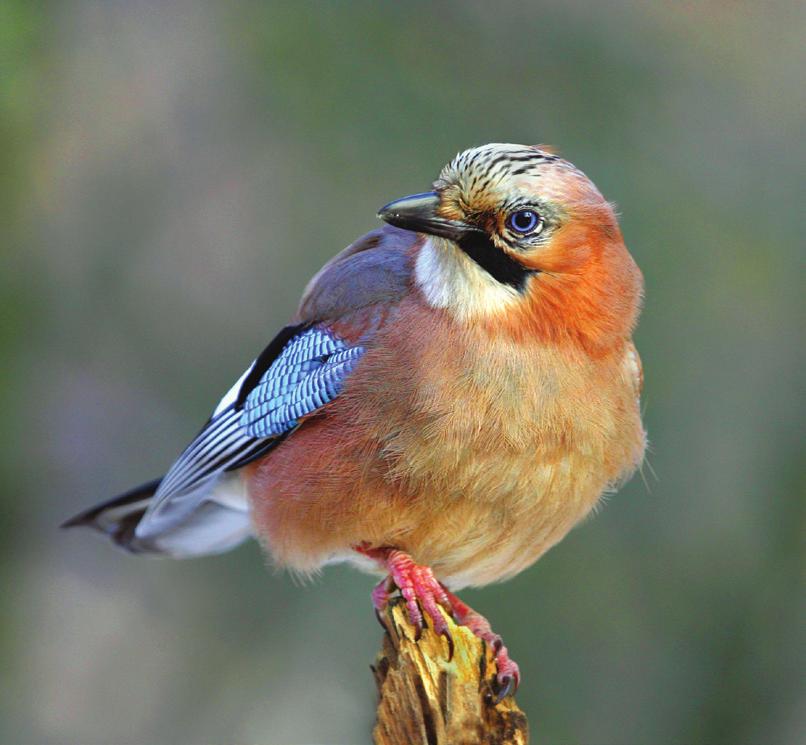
[
  {"x": 420, "y": 589},
  {"x": 424, "y": 596},
  {"x": 508, "y": 676}
]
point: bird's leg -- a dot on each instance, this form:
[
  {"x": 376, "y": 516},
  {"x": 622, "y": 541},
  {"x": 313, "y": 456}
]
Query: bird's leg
[
  {"x": 424, "y": 595},
  {"x": 509, "y": 675},
  {"x": 420, "y": 589}
]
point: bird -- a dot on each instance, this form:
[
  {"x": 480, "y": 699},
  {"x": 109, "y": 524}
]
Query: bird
[{"x": 456, "y": 391}]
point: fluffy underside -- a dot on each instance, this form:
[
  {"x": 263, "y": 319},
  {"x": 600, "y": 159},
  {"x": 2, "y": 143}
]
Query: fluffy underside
[{"x": 473, "y": 453}]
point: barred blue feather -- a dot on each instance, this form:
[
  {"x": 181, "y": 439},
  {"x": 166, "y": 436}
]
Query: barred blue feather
[{"x": 309, "y": 373}]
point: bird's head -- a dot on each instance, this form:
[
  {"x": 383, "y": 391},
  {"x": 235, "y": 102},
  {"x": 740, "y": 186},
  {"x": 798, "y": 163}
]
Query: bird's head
[{"x": 517, "y": 237}]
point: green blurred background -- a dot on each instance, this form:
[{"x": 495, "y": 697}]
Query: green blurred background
[{"x": 170, "y": 176}]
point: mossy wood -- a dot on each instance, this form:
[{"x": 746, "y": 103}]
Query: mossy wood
[{"x": 427, "y": 698}]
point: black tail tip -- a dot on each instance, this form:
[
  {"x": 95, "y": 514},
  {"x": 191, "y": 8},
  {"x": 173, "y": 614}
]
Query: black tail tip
[
  {"x": 82, "y": 519},
  {"x": 104, "y": 516},
  {"x": 73, "y": 522}
]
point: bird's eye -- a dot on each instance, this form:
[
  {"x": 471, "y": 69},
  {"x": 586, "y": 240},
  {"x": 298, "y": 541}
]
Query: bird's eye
[{"x": 525, "y": 221}]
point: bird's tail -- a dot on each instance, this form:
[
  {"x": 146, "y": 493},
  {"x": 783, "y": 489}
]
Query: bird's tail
[
  {"x": 118, "y": 517},
  {"x": 219, "y": 522}
]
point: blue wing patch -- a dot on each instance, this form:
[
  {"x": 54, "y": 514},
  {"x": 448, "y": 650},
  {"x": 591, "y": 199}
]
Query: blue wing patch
[{"x": 307, "y": 374}]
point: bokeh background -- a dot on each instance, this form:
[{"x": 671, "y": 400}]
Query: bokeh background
[{"x": 170, "y": 176}]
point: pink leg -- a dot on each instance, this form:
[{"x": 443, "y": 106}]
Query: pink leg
[
  {"x": 424, "y": 595},
  {"x": 420, "y": 589}
]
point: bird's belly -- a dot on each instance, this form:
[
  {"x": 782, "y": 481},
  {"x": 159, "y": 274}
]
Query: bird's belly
[
  {"x": 474, "y": 513},
  {"x": 486, "y": 514}
]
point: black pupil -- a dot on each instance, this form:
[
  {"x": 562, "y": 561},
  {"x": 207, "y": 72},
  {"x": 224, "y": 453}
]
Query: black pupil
[{"x": 524, "y": 220}]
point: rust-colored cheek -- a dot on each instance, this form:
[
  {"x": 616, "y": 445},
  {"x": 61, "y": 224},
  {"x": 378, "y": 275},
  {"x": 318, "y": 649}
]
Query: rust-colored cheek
[
  {"x": 588, "y": 291},
  {"x": 568, "y": 251}
]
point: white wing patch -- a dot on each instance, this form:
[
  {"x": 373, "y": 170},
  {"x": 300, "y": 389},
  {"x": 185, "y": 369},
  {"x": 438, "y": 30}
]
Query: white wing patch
[{"x": 232, "y": 394}]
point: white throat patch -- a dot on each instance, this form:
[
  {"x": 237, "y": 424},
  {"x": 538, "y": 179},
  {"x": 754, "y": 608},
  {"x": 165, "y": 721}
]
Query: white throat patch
[{"x": 450, "y": 279}]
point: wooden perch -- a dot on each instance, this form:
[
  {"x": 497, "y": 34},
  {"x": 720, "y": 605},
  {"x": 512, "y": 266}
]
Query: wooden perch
[{"x": 424, "y": 698}]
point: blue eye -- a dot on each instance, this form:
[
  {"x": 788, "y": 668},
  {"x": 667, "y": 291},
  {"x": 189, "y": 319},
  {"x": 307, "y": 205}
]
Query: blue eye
[{"x": 524, "y": 221}]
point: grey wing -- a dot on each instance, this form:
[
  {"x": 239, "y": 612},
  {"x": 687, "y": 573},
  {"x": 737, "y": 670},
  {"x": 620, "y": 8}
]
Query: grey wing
[
  {"x": 268, "y": 402},
  {"x": 374, "y": 269}
]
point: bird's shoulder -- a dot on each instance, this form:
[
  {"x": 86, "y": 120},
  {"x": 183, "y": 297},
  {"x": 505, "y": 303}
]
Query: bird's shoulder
[{"x": 375, "y": 269}]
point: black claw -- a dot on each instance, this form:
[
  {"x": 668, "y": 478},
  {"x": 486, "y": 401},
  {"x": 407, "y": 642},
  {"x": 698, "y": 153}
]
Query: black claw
[
  {"x": 449, "y": 638},
  {"x": 421, "y": 624},
  {"x": 506, "y": 687},
  {"x": 379, "y": 616}
]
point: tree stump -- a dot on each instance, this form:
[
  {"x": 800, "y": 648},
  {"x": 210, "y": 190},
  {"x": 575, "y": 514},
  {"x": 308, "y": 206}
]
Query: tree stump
[{"x": 425, "y": 698}]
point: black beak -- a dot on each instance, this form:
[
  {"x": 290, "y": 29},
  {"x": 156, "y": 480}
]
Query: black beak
[{"x": 419, "y": 214}]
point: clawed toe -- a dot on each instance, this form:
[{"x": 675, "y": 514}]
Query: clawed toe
[
  {"x": 426, "y": 599},
  {"x": 509, "y": 675},
  {"x": 424, "y": 596},
  {"x": 507, "y": 685},
  {"x": 449, "y": 638}
]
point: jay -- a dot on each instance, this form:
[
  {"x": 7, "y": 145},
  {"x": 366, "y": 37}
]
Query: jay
[{"x": 455, "y": 392}]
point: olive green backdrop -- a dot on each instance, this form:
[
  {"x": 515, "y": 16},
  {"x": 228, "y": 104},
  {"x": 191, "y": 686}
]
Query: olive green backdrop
[{"x": 170, "y": 176}]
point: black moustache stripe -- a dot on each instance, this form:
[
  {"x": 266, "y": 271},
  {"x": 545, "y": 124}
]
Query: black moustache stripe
[{"x": 506, "y": 270}]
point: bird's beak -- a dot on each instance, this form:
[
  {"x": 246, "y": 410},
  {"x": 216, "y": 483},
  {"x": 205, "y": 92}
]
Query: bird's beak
[{"x": 419, "y": 213}]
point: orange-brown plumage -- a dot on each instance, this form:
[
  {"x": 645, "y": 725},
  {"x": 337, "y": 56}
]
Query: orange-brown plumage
[
  {"x": 455, "y": 392},
  {"x": 472, "y": 445}
]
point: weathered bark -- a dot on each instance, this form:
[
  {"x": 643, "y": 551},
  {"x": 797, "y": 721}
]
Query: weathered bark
[{"x": 425, "y": 698}]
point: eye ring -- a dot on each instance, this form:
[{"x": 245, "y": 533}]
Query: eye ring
[{"x": 524, "y": 222}]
